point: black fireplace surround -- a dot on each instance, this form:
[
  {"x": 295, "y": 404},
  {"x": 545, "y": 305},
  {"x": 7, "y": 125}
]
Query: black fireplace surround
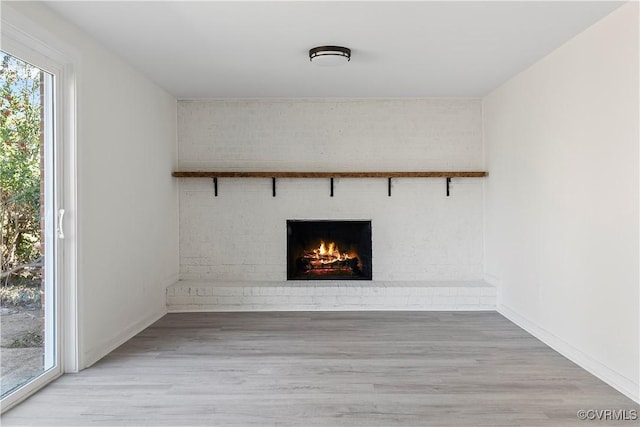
[{"x": 328, "y": 250}]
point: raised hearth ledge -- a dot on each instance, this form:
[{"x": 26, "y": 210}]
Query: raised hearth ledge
[{"x": 189, "y": 296}]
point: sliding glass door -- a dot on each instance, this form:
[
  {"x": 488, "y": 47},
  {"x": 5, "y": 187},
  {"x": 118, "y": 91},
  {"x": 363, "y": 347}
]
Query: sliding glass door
[{"x": 32, "y": 229}]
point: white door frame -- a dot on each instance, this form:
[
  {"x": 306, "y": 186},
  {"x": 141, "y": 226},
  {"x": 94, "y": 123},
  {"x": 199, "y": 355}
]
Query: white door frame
[{"x": 26, "y": 41}]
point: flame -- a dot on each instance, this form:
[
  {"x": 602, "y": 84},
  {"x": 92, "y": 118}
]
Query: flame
[
  {"x": 328, "y": 253},
  {"x": 326, "y": 259}
]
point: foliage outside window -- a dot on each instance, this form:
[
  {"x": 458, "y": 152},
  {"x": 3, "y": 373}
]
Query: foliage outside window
[{"x": 20, "y": 169}]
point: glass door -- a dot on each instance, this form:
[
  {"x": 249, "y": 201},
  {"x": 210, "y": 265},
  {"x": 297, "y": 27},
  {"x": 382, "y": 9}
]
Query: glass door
[{"x": 32, "y": 219}]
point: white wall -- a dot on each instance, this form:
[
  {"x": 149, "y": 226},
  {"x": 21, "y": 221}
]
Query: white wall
[
  {"x": 418, "y": 233},
  {"x": 561, "y": 200},
  {"x": 126, "y": 199}
]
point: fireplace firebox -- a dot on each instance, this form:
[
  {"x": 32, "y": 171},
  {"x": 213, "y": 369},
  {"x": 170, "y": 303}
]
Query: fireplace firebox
[{"x": 328, "y": 250}]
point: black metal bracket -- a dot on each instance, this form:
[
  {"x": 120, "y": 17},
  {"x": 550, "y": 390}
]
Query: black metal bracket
[{"x": 273, "y": 186}]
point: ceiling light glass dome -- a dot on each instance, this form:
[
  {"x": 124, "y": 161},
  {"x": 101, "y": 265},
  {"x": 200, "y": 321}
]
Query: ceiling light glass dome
[{"x": 330, "y": 55}]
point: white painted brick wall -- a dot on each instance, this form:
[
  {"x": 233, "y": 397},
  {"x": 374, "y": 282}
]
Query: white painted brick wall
[
  {"x": 418, "y": 233},
  {"x": 329, "y": 295}
]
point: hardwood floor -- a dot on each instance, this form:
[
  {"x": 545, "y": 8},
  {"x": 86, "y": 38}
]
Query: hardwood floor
[{"x": 326, "y": 369}]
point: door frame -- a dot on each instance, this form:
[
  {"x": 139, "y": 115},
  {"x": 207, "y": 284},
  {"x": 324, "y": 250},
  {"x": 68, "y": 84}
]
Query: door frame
[{"x": 24, "y": 40}]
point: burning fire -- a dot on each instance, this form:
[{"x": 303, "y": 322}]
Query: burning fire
[
  {"x": 327, "y": 260},
  {"x": 327, "y": 254}
]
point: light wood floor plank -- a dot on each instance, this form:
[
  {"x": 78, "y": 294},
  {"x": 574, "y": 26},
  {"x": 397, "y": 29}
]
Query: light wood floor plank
[{"x": 326, "y": 369}]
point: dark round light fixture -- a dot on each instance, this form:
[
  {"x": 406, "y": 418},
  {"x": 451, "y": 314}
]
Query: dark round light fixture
[{"x": 330, "y": 55}]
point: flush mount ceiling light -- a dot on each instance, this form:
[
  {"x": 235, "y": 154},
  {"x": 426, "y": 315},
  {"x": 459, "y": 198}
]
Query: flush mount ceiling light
[{"x": 330, "y": 55}]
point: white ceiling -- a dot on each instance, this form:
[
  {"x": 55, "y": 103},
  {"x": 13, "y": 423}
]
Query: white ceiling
[{"x": 399, "y": 49}]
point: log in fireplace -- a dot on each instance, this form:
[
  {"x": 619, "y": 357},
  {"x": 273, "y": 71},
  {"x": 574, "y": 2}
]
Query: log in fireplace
[{"x": 328, "y": 250}]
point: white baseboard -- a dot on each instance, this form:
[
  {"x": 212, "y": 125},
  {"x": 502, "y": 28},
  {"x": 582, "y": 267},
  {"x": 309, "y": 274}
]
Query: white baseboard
[
  {"x": 97, "y": 353},
  {"x": 106, "y": 347},
  {"x": 624, "y": 385}
]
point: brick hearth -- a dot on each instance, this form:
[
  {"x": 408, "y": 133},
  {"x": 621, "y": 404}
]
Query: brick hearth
[{"x": 329, "y": 296}]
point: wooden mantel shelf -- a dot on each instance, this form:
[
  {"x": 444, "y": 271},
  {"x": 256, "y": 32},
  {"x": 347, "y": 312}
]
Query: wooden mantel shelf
[
  {"x": 330, "y": 175},
  {"x": 219, "y": 174}
]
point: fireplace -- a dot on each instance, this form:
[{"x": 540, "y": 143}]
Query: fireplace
[{"x": 328, "y": 250}]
